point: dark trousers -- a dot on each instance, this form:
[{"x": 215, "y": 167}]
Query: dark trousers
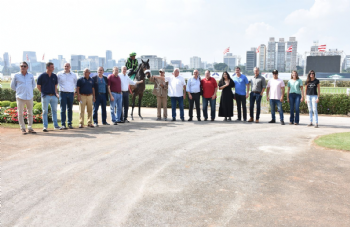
[
  {"x": 100, "y": 99},
  {"x": 66, "y": 101},
  {"x": 175, "y": 100},
  {"x": 294, "y": 102},
  {"x": 212, "y": 107},
  {"x": 241, "y": 102},
  {"x": 255, "y": 97},
  {"x": 124, "y": 115},
  {"x": 195, "y": 100}
]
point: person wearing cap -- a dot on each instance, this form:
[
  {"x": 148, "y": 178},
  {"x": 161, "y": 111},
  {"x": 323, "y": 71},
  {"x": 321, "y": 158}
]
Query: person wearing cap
[
  {"x": 275, "y": 93},
  {"x": 132, "y": 64},
  {"x": 160, "y": 90},
  {"x": 193, "y": 89}
]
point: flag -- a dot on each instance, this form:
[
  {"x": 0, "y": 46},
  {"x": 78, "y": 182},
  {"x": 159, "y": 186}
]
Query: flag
[
  {"x": 227, "y": 50},
  {"x": 290, "y": 49},
  {"x": 258, "y": 49},
  {"x": 322, "y": 48},
  {"x": 43, "y": 56},
  {"x": 27, "y": 57}
]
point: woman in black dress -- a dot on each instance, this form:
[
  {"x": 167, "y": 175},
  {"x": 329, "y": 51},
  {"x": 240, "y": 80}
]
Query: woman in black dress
[{"x": 226, "y": 101}]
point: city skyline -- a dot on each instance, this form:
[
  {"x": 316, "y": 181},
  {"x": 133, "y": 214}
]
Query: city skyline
[{"x": 197, "y": 22}]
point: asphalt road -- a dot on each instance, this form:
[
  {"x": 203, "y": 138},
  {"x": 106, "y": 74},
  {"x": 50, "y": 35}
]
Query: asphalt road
[{"x": 150, "y": 173}]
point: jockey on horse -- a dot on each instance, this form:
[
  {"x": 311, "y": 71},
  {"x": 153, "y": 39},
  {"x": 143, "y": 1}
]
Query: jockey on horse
[{"x": 132, "y": 65}]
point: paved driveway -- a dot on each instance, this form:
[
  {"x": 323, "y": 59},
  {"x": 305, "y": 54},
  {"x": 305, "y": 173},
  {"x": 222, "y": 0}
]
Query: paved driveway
[{"x": 149, "y": 173}]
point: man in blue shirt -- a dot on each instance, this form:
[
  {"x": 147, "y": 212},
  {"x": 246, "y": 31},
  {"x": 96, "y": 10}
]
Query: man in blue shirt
[
  {"x": 194, "y": 93},
  {"x": 23, "y": 83},
  {"x": 47, "y": 85},
  {"x": 85, "y": 95},
  {"x": 101, "y": 96},
  {"x": 241, "y": 93}
]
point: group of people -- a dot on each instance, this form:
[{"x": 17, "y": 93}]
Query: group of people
[{"x": 93, "y": 92}]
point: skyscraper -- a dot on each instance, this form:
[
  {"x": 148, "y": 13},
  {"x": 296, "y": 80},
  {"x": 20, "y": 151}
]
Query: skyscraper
[
  {"x": 7, "y": 64},
  {"x": 108, "y": 55},
  {"x": 102, "y": 62},
  {"x": 75, "y": 61},
  {"x": 94, "y": 64},
  {"x": 31, "y": 56},
  {"x": 230, "y": 60},
  {"x": 155, "y": 62},
  {"x": 271, "y": 54},
  {"x": 291, "y": 57},
  {"x": 262, "y": 57},
  {"x": 195, "y": 62},
  {"x": 251, "y": 60},
  {"x": 281, "y": 55}
]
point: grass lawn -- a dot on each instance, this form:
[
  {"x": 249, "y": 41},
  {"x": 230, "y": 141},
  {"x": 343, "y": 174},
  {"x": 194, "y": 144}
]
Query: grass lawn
[
  {"x": 40, "y": 125},
  {"x": 340, "y": 141},
  {"x": 5, "y": 84}
]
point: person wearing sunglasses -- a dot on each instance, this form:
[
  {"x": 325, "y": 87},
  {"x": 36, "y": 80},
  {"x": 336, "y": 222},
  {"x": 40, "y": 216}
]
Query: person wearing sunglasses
[
  {"x": 23, "y": 83},
  {"x": 312, "y": 93}
]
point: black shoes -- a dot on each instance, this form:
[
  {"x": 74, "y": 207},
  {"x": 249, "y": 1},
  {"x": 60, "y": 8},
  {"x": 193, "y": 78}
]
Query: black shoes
[
  {"x": 199, "y": 119},
  {"x": 182, "y": 119},
  {"x": 272, "y": 121},
  {"x": 115, "y": 123},
  {"x": 212, "y": 120},
  {"x": 190, "y": 119},
  {"x": 106, "y": 123},
  {"x": 282, "y": 122},
  {"x": 205, "y": 119},
  {"x": 174, "y": 119}
]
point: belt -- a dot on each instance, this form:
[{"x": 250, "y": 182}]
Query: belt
[
  {"x": 86, "y": 94},
  {"x": 256, "y": 92},
  {"x": 125, "y": 91},
  {"x": 51, "y": 94},
  {"x": 101, "y": 93},
  {"x": 66, "y": 92},
  {"x": 116, "y": 92}
]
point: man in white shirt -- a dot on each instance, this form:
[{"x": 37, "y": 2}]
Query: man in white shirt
[
  {"x": 67, "y": 81},
  {"x": 126, "y": 81},
  {"x": 275, "y": 93},
  {"x": 176, "y": 92}
]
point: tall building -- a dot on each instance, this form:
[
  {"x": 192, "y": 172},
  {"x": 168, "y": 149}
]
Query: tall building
[
  {"x": 85, "y": 64},
  {"x": 155, "y": 62},
  {"x": 291, "y": 57},
  {"x": 102, "y": 62},
  {"x": 94, "y": 63},
  {"x": 75, "y": 61},
  {"x": 121, "y": 63},
  {"x": 300, "y": 60},
  {"x": 251, "y": 60},
  {"x": 176, "y": 63},
  {"x": 108, "y": 55},
  {"x": 346, "y": 62},
  {"x": 195, "y": 62},
  {"x": 281, "y": 55},
  {"x": 271, "y": 54},
  {"x": 31, "y": 56},
  {"x": 230, "y": 60},
  {"x": 7, "y": 64},
  {"x": 56, "y": 63},
  {"x": 262, "y": 57},
  {"x": 111, "y": 63}
]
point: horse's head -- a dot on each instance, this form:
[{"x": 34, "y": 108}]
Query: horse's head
[{"x": 146, "y": 68}]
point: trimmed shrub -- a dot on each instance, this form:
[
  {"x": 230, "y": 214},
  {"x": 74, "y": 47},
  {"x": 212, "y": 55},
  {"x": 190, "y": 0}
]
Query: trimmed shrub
[
  {"x": 5, "y": 104},
  {"x": 13, "y": 104}
]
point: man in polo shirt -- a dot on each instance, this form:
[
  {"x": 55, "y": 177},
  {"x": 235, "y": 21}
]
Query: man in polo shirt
[
  {"x": 23, "y": 83},
  {"x": 101, "y": 96},
  {"x": 210, "y": 87},
  {"x": 258, "y": 85},
  {"x": 194, "y": 94},
  {"x": 67, "y": 80},
  {"x": 47, "y": 85},
  {"x": 275, "y": 93},
  {"x": 241, "y": 93},
  {"x": 115, "y": 94},
  {"x": 85, "y": 95},
  {"x": 126, "y": 81}
]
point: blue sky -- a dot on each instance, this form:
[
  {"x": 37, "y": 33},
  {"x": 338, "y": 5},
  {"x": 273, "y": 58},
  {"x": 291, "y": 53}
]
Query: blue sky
[{"x": 173, "y": 29}]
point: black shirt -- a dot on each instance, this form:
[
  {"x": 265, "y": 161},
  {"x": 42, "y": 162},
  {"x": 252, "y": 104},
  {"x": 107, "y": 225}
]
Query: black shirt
[
  {"x": 47, "y": 83},
  {"x": 311, "y": 88},
  {"x": 85, "y": 85}
]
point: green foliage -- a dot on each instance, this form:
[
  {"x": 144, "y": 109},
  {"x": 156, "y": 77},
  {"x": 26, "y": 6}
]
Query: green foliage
[
  {"x": 221, "y": 67},
  {"x": 5, "y": 104},
  {"x": 169, "y": 67},
  {"x": 13, "y": 104}
]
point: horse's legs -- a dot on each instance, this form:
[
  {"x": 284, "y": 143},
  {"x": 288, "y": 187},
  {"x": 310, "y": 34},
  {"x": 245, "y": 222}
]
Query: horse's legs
[
  {"x": 133, "y": 104},
  {"x": 140, "y": 99}
]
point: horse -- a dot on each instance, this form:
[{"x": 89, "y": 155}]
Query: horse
[{"x": 142, "y": 71}]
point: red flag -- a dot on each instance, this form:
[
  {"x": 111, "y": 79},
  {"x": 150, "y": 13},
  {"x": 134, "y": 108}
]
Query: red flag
[
  {"x": 227, "y": 50},
  {"x": 27, "y": 57},
  {"x": 258, "y": 49},
  {"x": 290, "y": 49},
  {"x": 322, "y": 48},
  {"x": 43, "y": 57}
]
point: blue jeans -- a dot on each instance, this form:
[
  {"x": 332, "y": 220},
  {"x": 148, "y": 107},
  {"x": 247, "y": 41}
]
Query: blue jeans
[
  {"x": 255, "y": 97},
  {"x": 294, "y": 102},
  {"x": 116, "y": 106},
  {"x": 205, "y": 107},
  {"x": 66, "y": 100},
  {"x": 312, "y": 106},
  {"x": 53, "y": 101},
  {"x": 180, "y": 100},
  {"x": 273, "y": 103},
  {"x": 100, "y": 99}
]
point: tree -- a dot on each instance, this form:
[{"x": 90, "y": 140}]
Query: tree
[
  {"x": 221, "y": 67},
  {"x": 169, "y": 67}
]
